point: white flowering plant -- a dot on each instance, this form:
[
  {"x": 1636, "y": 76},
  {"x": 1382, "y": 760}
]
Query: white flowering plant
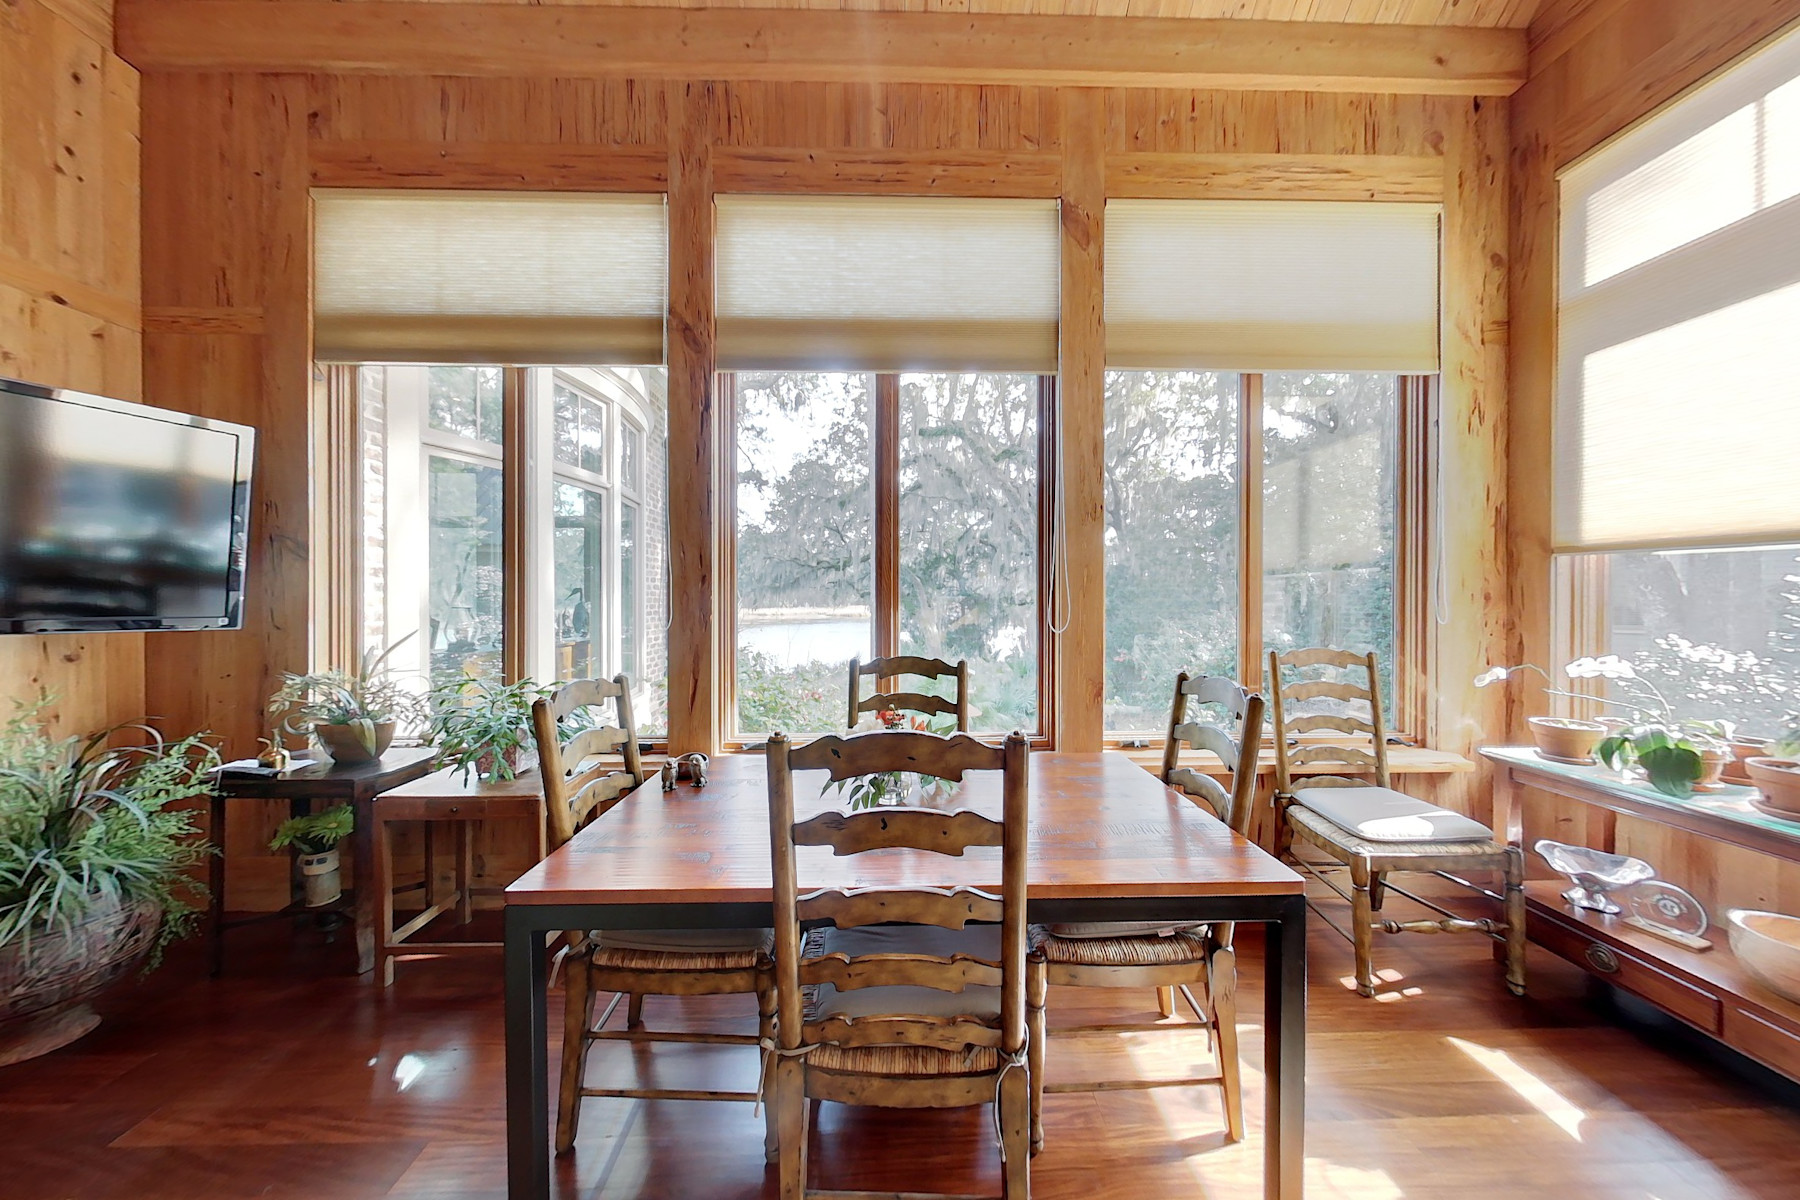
[{"x": 1669, "y": 750}]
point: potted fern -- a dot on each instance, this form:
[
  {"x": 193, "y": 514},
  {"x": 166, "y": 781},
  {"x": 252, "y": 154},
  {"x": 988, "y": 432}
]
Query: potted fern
[
  {"x": 97, "y": 850},
  {"x": 315, "y": 837},
  {"x": 352, "y": 714},
  {"x": 481, "y": 726}
]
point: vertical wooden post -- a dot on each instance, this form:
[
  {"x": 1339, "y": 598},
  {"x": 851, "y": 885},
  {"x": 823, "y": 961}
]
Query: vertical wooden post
[
  {"x": 1472, "y": 443},
  {"x": 886, "y": 412},
  {"x": 1250, "y": 531},
  {"x": 695, "y": 476},
  {"x": 1081, "y": 648}
]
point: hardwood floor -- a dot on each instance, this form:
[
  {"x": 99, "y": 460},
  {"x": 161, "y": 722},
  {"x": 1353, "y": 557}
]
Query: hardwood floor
[{"x": 289, "y": 1078}]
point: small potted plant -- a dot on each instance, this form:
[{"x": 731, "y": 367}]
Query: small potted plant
[
  {"x": 1559, "y": 739},
  {"x": 352, "y": 714},
  {"x": 97, "y": 851},
  {"x": 315, "y": 838},
  {"x": 485, "y": 727},
  {"x": 1777, "y": 774}
]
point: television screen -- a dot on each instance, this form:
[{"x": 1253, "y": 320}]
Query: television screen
[{"x": 118, "y": 516}]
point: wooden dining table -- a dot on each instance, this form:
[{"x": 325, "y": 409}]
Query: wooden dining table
[{"x": 1108, "y": 842}]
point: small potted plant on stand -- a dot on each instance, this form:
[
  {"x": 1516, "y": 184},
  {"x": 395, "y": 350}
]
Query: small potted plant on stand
[
  {"x": 315, "y": 837},
  {"x": 352, "y": 714},
  {"x": 97, "y": 850},
  {"x": 485, "y": 727},
  {"x": 1777, "y": 774}
]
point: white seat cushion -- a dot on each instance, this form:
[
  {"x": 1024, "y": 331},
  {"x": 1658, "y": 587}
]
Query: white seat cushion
[
  {"x": 1122, "y": 929},
  {"x": 977, "y": 941},
  {"x": 685, "y": 941},
  {"x": 1384, "y": 815}
]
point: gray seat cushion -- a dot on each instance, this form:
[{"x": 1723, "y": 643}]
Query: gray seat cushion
[
  {"x": 685, "y": 941},
  {"x": 1384, "y": 815},
  {"x": 1122, "y": 929},
  {"x": 976, "y": 941}
]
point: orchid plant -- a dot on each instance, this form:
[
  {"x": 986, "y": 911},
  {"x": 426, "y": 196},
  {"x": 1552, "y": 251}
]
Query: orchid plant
[
  {"x": 893, "y": 787},
  {"x": 1667, "y": 749}
]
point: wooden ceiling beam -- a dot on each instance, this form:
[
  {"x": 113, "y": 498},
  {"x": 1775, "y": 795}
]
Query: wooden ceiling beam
[{"x": 381, "y": 36}]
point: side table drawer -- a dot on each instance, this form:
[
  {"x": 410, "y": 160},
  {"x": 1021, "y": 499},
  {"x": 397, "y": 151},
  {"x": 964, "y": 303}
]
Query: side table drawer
[
  {"x": 427, "y": 808},
  {"x": 1692, "y": 1004},
  {"x": 1764, "y": 1037}
]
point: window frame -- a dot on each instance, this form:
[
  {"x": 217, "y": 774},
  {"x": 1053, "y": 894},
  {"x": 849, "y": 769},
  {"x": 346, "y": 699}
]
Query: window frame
[
  {"x": 884, "y": 437},
  {"x": 526, "y": 521},
  {"x": 1407, "y": 712}
]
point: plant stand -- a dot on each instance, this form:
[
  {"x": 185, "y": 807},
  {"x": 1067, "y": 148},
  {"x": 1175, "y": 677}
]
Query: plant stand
[{"x": 322, "y": 784}]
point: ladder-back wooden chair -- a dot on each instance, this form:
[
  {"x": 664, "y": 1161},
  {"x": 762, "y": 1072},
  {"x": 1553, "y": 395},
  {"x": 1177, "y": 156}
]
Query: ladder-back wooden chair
[
  {"x": 926, "y": 1013},
  {"x": 1358, "y": 819},
  {"x": 889, "y": 670},
  {"x": 580, "y": 784},
  {"x": 1170, "y": 958}
]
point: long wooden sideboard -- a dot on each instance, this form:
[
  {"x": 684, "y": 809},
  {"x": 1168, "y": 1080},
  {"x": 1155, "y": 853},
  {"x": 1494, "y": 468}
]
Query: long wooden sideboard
[{"x": 1708, "y": 990}]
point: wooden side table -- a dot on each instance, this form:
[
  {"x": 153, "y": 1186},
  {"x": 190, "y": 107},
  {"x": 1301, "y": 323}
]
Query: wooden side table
[
  {"x": 444, "y": 796},
  {"x": 325, "y": 784}
]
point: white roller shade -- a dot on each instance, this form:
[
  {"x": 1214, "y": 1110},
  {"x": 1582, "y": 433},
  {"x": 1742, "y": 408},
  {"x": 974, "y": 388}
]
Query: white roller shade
[
  {"x": 1677, "y": 399},
  {"x": 1272, "y": 285},
  {"x": 520, "y": 277},
  {"x": 873, "y": 283}
]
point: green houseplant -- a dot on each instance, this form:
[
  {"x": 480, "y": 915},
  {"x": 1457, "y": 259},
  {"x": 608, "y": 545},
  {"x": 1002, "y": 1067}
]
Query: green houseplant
[
  {"x": 352, "y": 714},
  {"x": 96, "y": 849},
  {"x": 482, "y": 726},
  {"x": 316, "y": 837}
]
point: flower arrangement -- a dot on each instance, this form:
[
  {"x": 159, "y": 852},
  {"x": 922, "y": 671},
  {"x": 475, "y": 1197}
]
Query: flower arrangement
[
  {"x": 894, "y": 787},
  {"x": 1672, "y": 753}
]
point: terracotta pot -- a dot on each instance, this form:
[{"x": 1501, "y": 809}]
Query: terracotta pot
[
  {"x": 47, "y": 984},
  {"x": 1565, "y": 739},
  {"x": 1779, "y": 780},
  {"x": 1743, "y": 749},
  {"x": 1712, "y": 769},
  {"x": 344, "y": 743}
]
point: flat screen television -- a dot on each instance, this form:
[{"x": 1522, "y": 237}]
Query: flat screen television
[{"x": 118, "y": 516}]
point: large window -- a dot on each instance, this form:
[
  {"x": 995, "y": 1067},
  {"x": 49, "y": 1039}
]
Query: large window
[
  {"x": 1675, "y": 507},
  {"x": 885, "y": 514},
  {"x": 1180, "y": 516},
  {"x": 583, "y": 450}
]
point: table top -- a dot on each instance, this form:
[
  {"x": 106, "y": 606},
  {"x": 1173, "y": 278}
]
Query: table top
[
  {"x": 1101, "y": 826},
  {"x": 1402, "y": 760},
  {"x": 1726, "y": 813},
  {"x": 453, "y": 784},
  {"x": 327, "y": 780}
]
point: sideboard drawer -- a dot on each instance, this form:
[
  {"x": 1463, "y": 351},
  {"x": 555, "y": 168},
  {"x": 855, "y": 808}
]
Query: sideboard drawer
[
  {"x": 1765, "y": 1038},
  {"x": 1696, "y": 1006}
]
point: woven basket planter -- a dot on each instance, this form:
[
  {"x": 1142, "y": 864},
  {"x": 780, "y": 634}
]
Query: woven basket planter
[{"x": 48, "y": 982}]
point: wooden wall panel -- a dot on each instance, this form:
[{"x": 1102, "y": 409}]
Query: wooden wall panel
[
  {"x": 229, "y": 158},
  {"x": 70, "y": 308}
]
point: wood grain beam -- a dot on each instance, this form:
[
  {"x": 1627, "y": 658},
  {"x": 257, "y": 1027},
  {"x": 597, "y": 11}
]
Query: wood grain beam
[
  {"x": 1170, "y": 176},
  {"x": 839, "y": 172},
  {"x": 854, "y": 47},
  {"x": 489, "y": 165}
]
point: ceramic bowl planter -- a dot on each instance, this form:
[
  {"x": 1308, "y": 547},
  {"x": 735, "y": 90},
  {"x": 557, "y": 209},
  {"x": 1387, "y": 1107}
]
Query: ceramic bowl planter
[
  {"x": 345, "y": 745},
  {"x": 1566, "y": 739},
  {"x": 47, "y": 983},
  {"x": 1779, "y": 781},
  {"x": 1768, "y": 946}
]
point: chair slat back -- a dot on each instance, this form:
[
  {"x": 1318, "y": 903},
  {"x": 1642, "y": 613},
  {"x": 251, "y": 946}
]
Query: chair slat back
[
  {"x": 947, "y": 833},
  {"x": 577, "y": 789},
  {"x": 886, "y": 670},
  {"x": 1232, "y": 802},
  {"x": 1363, "y": 743}
]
